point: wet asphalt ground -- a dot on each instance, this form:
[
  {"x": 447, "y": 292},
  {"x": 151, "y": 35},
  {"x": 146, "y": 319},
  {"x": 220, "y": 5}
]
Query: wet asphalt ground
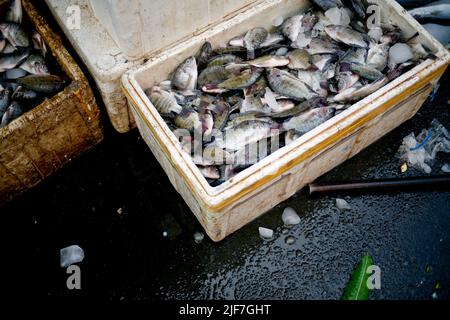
[{"x": 116, "y": 203}]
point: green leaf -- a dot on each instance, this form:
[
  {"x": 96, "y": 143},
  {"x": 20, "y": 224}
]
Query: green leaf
[{"x": 356, "y": 288}]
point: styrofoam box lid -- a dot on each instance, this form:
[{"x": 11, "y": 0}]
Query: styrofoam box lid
[
  {"x": 141, "y": 26},
  {"x": 102, "y": 55}
]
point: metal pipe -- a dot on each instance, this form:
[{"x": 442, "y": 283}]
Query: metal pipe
[{"x": 381, "y": 185}]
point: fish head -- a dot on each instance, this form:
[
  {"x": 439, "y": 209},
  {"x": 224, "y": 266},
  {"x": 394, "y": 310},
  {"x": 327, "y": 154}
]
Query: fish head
[
  {"x": 326, "y": 112},
  {"x": 189, "y": 65}
]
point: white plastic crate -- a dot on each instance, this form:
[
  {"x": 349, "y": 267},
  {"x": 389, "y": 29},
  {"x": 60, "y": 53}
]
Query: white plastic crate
[{"x": 223, "y": 209}]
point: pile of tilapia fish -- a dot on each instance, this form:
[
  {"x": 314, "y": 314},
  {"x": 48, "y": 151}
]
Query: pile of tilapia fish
[
  {"x": 24, "y": 76},
  {"x": 279, "y": 83}
]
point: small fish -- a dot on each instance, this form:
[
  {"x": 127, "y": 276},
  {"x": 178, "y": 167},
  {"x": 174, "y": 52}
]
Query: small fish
[
  {"x": 322, "y": 61},
  {"x": 237, "y": 41},
  {"x": 188, "y": 119},
  {"x": 365, "y": 71},
  {"x": 42, "y": 83},
  {"x": 252, "y": 103},
  {"x": 291, "y": 136},
  {"x": 204, "y": 54},
  {"x": 207, "y": 121},
  {"x": 221, "y": 111},
  {"x": 213, "y": 155},
  {"x": 245, "y": 133},
  {"x": 357, "y": 93},
  {"x": 185, "y": 76},
  {"x": 213, "y": 75},
  {"x": 328, "y": 4},
  {"x": 38, "y": 43},
  {"x": 210, "y": 172},
  {"x": 223, "y": 60},
  {"x": 15, "y": 34},
  {"x": 269, "y": 62},
  {"x": 163, "y": 101},
  {"x": 253, "y": 40},
  {"x": 5, "y": 99},
  {"x": 292, "y": 27},
  {"x": 439, "y": 10},
  {"x": 346, "y": 35},
  {"x": 321, "y": 45},
  {"x": 299, "y": 59},
  {"x": 286, "y": 84},
  {"x": 23, "y": 94},
  {"x": 272, "y": 39},
  {"x": 8, "y": 48},
  {"x": 14, "y": 111},
  {"x": 300, "y": 108},
  {"x": 35, "y": 64},
  {"x": 14, "y": 14},
  {"x": 230, "y": 49},
  {"x": 242, "y": 81},
  {"x": 347, "y": 79},
  {"x": 378, "y": 55},
  {"x": 354, "y": 55},
  {"x": 11, "y": 60},
  {"x": 257, "y": 89},
  {"x": 238, "y": 118},
  {"x": 314, "y": 80},
  {"x": 309, "y": 120},
  {"x": 359, "y": 9}
]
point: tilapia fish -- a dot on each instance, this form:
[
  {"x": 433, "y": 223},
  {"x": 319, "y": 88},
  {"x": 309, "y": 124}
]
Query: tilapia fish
[
  {"x": 24, "y": 72},
  {"x": 270, "y": 87}
]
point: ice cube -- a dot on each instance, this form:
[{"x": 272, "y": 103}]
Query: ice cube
[
  {"x": 375, "y": 33},
  {"x": 13, "y": 74},
  {"x": 70, "y": 255},
  {"x": 277, "y": 21},
  {"x": 282, "y": 51},
  {"x": 290, "y": 217},
  {"x": 265, "y": 233},
  {"x": 198, "y": 237},
  {"x": 399, "y": 53},
  {"x": 342, "y": 205},
  {"x": 338, "y": 16},
  {"x": 446, "y": 168},
  {"x": 269, "y": 98}
]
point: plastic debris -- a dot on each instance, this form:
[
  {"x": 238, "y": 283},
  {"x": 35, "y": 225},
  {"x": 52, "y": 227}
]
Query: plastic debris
[
  {"x": 290, "y": 217},
  {"x": 420, "y": 151},
  {"x": 399, "y": 53},
  {"x": 265, "y": 233},
  {"x": 70, "y": 255},
  {"x": 446, "y": 168},
  {"x": 342, "y": 205},
  {"x": 198, "y": 237}
]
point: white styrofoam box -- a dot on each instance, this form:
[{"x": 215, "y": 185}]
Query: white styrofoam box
[
  {"x": 163, "y": 22},
  {"x": 223, "y": 209},
  {"x": 141, "y": 26}
]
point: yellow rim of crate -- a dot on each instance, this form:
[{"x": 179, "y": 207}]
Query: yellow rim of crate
[{"x": 304, "y": 156}]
